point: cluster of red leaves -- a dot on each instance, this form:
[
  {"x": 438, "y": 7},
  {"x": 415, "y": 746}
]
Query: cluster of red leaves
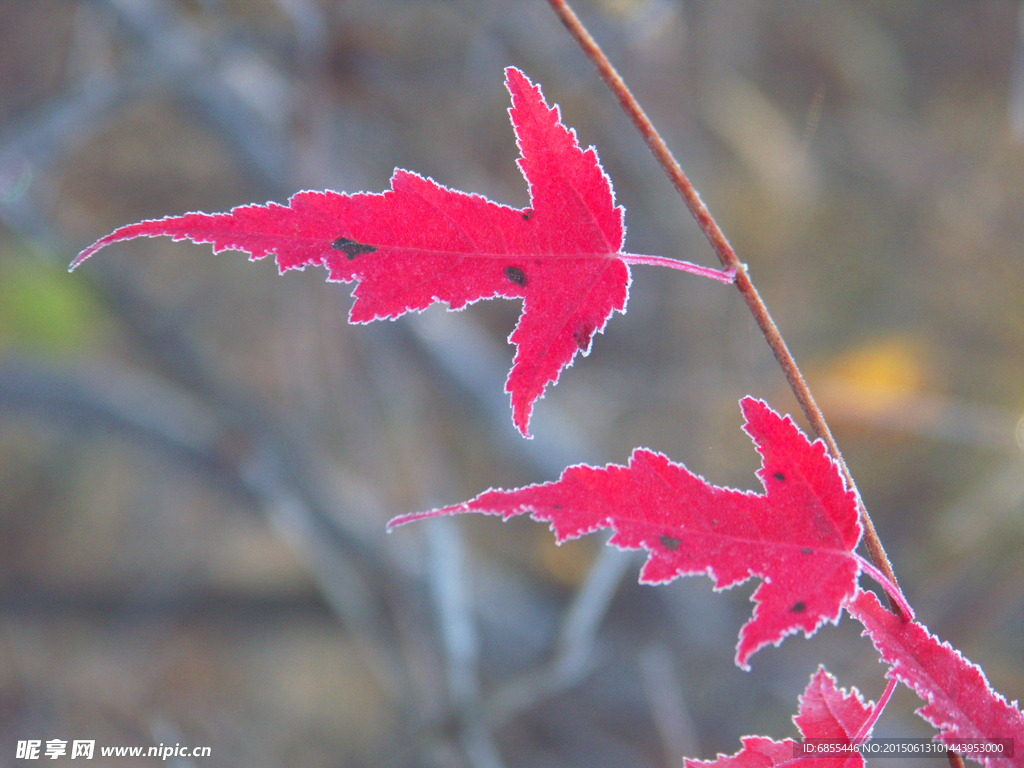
[
  {"x": 799, "y": 536},
  {"x": 960, "y": 702},
  {"x": 420, "y": 242}
]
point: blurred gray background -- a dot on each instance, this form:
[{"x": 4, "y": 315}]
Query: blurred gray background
[{"x": 198, "y": 456}]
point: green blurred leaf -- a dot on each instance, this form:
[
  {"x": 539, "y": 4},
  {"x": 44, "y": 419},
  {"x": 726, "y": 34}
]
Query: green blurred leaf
[{"x": 42, "y": 307}]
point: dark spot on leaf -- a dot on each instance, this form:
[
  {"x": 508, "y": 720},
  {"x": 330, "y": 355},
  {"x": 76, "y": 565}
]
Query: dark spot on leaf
[
  {"x": 516, "y": 275},
  {"x": 779, "y": 476},
  {"x": 582, "y": 337},
  {"x": 807, "y": 551},
  {"x": 799, "y": 607},
  {"x": 527, "y": 214},
  {"x": 351, "y": 248},
  {"x": 669, "y": 543}
]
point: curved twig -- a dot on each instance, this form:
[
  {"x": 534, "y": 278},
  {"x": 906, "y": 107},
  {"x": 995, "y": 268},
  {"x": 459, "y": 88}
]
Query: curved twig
[{"x": 730, "y": 261}]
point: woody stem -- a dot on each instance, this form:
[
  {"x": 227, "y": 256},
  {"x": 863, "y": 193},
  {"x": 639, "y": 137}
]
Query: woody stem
[{"x": 730, "y": 261}]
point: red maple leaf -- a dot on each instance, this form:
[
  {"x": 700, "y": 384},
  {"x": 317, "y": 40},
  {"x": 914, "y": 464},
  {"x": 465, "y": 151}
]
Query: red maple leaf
[
  {"x": 826, "y": 712},
  {"x": 798, "y": 536},
  {"x": 960, "y": 701},
  {"x": 421, "y": 242}
]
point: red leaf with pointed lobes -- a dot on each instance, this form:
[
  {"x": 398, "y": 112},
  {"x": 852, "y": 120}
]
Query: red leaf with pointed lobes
[
  {"x": 421, "y": 242},
  {"x": 799, "y": 536},
  {"x": 960, "y": 700},
  {"x": 826, "y": 712}
]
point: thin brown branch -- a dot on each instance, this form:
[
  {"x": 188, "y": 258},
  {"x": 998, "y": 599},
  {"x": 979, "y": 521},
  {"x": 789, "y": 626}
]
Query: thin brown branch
[{"x": 730, "y": 261}]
